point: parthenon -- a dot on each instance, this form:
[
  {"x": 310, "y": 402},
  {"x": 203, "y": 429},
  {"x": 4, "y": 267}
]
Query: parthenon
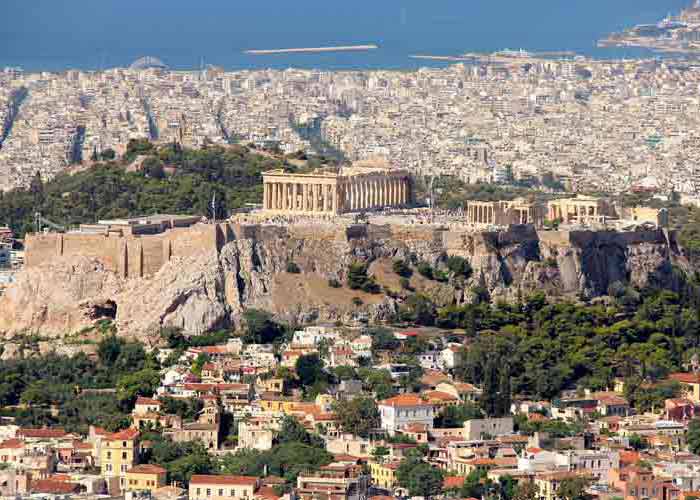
[{"x": 334, "y": 192}]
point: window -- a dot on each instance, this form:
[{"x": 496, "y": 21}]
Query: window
[
  {"x": 233, "y": 493},
  {"x": 109, "y": 455},
  {"x": 124, "y": 444},
  {"x": 221, "y": 492},
  {"x": 123, "y": 455},
  {"x": 208, "y": 492},
  {"x": 124, "y": 468},
  {"x": 199, "y": 491}
]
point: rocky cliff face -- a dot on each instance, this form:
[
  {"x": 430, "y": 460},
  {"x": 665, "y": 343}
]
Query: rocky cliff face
[{"x": 211, "y": 290}]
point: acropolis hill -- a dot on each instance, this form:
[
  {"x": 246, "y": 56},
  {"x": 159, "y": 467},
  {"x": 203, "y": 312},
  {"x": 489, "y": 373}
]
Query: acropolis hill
[{"x": 203, "y": 276}]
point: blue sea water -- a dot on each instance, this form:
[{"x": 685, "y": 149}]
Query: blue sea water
[{"x": 55, "y": 35}]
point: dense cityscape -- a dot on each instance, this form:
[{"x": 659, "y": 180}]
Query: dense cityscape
[{"x": 595, "y": 126}]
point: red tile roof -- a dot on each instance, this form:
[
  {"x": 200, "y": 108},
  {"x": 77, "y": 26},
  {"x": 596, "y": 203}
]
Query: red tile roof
[
  {"x": 46, "y": 433},
  {"x": 53, "y": 487}
]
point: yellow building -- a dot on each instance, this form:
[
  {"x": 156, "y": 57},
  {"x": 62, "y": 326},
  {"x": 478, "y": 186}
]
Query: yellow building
[
  {"x": 384, "y": 474},
  {"x": 211, "y": 487},
  {"x": 119, "y": 454},
  {"x": 145, "y": 477},
  {"x": 275, "y": 403},
  {"x": 547, "y": 483}
]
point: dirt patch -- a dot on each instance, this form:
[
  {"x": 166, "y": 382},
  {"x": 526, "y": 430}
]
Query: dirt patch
[
  {"x": 383, "y": 272},
  {"x": 312, "y": 289}
]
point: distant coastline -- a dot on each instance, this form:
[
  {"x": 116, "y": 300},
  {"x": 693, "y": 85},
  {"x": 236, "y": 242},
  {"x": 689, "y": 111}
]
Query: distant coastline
[{"x": 311, "y": 50}]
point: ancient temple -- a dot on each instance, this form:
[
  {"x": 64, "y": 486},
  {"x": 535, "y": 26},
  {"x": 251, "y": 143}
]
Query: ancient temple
[{"x": 336, "y": 191}]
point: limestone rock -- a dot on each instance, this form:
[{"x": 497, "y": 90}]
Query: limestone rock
[
  {"x": 213, "y": 289},
  {"x": 56, "y": 298}
]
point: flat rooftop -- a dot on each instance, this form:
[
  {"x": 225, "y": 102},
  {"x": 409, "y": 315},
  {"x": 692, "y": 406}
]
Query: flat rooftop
[{"x": 147, "y": 219}]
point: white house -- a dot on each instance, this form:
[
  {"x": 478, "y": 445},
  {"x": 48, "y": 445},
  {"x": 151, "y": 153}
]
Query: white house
[
  {"x": 537, "y": 460},
  {"x": 430, "y": 360},
  {"x": 451, "y": 357},
  {"x": 311, "y": 336},
  {"x": 403, "y": 410},
  {"x": 362, "y": 346},
  {"x": 595, "y": 463}
]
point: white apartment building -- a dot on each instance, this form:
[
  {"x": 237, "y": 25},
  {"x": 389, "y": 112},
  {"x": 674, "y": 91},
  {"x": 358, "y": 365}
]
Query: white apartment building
[{"x": 404, "y": 410}]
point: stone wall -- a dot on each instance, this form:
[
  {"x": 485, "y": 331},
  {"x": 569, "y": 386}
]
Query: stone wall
[{"x": 129, "y": 256}]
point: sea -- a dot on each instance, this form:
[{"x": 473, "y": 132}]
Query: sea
[{"x": 55, "y": 35}]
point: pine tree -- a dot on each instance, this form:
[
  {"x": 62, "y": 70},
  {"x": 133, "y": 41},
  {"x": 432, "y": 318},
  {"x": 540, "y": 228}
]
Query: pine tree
[
  {"x": 489, "y": 397},
  {"x": 504, "y": 392},
  {"x": 36, "y": 188}
]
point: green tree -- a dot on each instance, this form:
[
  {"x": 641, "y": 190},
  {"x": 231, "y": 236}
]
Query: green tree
[
  {"x": 425, "y": 270},
  {"x": 526, "y": 490},
  {"x": 401, "y": 268},
  {"x": 425, "y": 480},
  {"x": 490, "y": 396},
  {"x": 109, "y": 349},
  {"x": 419, "y": 309},
  {"x": 693, "y": 436},
  {"x": 379, "y": 453},
  {"x": 382, "y": 338},
  {"x": 309, "y": 369},
  {"x": 473, "y": 486},
  {"x": 455, "y": 416},
  {"x": 260, "y": 328},
  {"x": 291, "y": 431},
  {"x": 638, "y": 442},
  {"x": 141, "y": 383},
  {"x": 357, "y": 416},
  {"x": 459, "y": 266},
  {"x": 574, "y": 489},
  {"x": 504, "y": 392}
]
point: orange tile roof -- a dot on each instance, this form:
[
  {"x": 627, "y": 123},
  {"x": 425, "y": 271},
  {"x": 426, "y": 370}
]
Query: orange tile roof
[
  {"x": 404, "y": 400},
  {"x": 629, "y": 457},
  {"x": 267, "y": 492},
  {"x": 453, "y": 482},
  {"x": 12, "y": 444},
  {"x": 146, "y": 469},
  {"x": 686, "y": 378},
  {"x": 56, "y": 432},
  {"x": 439, "y": 395},
  {"x": 147, "y": 401},
  {"x": 125, "y": 435},
  {"x": 224, "y": 480}
]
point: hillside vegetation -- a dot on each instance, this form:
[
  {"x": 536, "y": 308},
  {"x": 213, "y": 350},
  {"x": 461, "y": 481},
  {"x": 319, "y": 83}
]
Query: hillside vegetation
[{"x": 169, "y": 179}]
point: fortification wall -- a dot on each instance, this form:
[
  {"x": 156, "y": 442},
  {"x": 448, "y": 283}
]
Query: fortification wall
[{"x": 136, "y": 256}]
